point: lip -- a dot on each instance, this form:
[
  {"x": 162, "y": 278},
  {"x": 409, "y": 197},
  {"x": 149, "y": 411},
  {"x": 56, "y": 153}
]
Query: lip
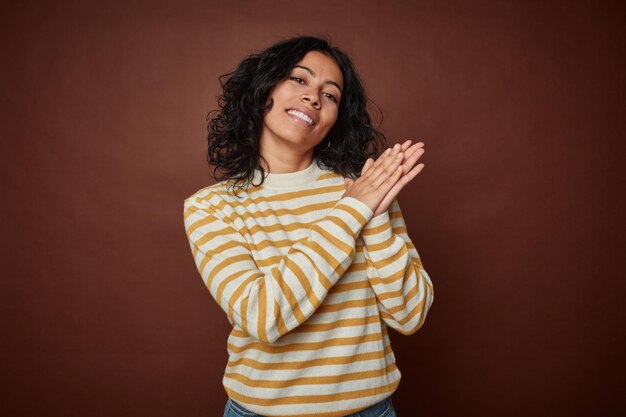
[{"x": 301, "y": 110}]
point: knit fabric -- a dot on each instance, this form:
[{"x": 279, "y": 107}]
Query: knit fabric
[{"x": 310, "y": 281}]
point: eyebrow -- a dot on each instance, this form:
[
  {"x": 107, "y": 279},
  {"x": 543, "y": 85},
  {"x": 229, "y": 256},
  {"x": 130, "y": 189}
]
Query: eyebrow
[{"x": 313, "y": 74}]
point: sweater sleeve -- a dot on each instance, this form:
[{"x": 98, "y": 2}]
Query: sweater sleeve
[
  {"x": 403, "y": 289},
  {"x": 267, "y": 304}
]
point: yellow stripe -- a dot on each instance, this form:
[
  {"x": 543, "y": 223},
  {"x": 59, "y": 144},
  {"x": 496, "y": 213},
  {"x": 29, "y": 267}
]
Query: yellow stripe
[
  {"x": 325, "y": 327},
  {"x": 399, "y": 293},
  {"x": 275, "y": 260},
  {"x": 291, "y": 298},
  {"x": 378, "y": 265},
  {"x": 220, "y": 288},
  {"x": 244, "y": 315},
  {"x": 353, "y": 212},
  {"x": 300, "y": 211},
  {"x": 297, "y": 347},
  {"x": 280, "y": 322},
  {"x": 322, "y": 327},
  {"x": 285, "y": 196},
  {"x": 408, "y": 318},
  {"x": 338, "y": 243},
  {"x": 382, "y": 246},
  {"x": 327, "y": 308},
  {"x": 372, "y": 231},
  {"x": 303, "y": 399},
  {"x": 262, "y": 313},
  {"x": 237, "y": 293},
  {"x": 222, "y": 265},
  {"x": 203, "y": 221},
  {"x": 328, "y": 257},
  {"x": 268, "y": 229},
  {"x": 412, "y": 313},
  {"x": 386, "y": 282},
  {"x": 329, "y": 175},
  {"x": 332, "y": 379},
  {"x": 350, "y": 286},
  {"x": 333, "y": 360},
  {"x": 207, "y": 255},
  {"x": 304, "y": 282},
  {"x": 340, "y": 223}
]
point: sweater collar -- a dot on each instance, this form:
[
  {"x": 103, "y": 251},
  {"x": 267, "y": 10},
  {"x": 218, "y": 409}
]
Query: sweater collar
[{"x": 289, "y": 179}]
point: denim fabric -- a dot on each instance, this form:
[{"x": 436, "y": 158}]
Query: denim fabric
[{"x": 383, "y": 408}]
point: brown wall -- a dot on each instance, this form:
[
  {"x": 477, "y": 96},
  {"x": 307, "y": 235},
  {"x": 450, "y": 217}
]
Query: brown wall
[{"x": 517, "y": 215}]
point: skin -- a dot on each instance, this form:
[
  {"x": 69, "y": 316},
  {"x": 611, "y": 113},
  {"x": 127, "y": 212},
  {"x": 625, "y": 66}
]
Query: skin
[
  {"x": 408, "y": 154},
  {"x": 287, "y": 143}
]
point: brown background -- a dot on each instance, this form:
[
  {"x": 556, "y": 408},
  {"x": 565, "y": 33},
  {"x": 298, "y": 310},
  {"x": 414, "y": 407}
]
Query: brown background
[{"x": 517, "y": 215}]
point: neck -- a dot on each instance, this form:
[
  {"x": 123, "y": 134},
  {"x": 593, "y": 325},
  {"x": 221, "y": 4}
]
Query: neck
[{"x": 283, "y": 161}]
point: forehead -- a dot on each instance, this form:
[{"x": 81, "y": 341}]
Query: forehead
[{"x": 323, "y": 66}]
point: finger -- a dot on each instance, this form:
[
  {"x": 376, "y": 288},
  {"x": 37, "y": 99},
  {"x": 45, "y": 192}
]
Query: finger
[
  {"x": 392, "y": 181},
  {"x": 384, "y": 160},
  {"x": 411, "y": 159},
  {"x": 399, "y": 185},
  {"x": 384, "y": 205},
  {"x": 368, "y": 164},
  {"x": 416, "y": 147},
  {"x": 388, "y": 152},
  {"x": 406, "y": 145},
  {"x": 418, "y": 168},
  {"x": 376, "y": 162},
  {"x": 387, "y": 169},
  {"x": 408, "y": 177}
]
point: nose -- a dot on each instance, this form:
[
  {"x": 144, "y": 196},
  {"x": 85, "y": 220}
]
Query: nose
[{"x": 312, "y": 99}]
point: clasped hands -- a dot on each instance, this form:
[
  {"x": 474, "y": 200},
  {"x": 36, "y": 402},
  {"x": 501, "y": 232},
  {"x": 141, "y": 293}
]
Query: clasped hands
[{"x": 381, "y": 180}]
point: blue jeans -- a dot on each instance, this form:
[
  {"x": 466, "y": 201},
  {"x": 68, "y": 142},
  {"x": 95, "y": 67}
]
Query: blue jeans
[{"x": 383, "y": 408}]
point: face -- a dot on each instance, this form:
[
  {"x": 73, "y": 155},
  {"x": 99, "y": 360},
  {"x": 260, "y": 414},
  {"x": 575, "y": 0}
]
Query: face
[{"x": 305, "y": 105}]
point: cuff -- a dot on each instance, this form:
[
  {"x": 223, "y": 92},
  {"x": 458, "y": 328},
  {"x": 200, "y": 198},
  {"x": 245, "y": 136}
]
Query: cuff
[
  {"x": 358, "y": 210},
  {"x": 377, "y": 230}
]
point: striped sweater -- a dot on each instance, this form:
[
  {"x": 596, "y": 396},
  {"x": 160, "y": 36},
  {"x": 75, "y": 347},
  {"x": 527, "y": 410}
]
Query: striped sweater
[{"x": 310, "y": 281}]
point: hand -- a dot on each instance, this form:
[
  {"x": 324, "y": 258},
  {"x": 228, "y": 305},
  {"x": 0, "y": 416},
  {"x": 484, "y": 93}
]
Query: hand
[
  {"x": 410, "y": 156},
  {"x": 374, "y": 184}
]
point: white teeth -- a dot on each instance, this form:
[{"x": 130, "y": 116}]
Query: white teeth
[{"x": 301, "y": 115}]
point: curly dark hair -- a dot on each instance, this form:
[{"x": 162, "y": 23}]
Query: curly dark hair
[{"x": 235, "y": 127}]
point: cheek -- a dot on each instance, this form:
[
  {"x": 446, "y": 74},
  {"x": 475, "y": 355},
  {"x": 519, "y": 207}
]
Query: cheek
[
  {"x": 332, "y": 117},
  {"x": 271, "y": 117},
  {"x": 281, "y": 91}
]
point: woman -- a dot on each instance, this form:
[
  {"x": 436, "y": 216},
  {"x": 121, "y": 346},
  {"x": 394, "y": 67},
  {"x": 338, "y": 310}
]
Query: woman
[{"x": 302, "y": 242}]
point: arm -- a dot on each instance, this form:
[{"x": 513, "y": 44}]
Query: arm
[
  {"x": 268, "y": 304},
  {"x": 403, "y": 288}
]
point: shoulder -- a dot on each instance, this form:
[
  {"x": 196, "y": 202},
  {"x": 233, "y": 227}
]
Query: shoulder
[
  {"x": 211, "y": 197},
  {"x": 222, "y": 199},
  {"x": 204, "y": 196}
]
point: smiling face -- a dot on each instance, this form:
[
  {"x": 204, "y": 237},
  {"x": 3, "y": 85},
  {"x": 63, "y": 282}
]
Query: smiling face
[{"x": 305, "y": 105}]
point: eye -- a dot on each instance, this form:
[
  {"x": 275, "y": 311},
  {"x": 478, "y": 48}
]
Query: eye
[
  {"x": 297, "y": 79},
  {"x": 332, "y": 97}
]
